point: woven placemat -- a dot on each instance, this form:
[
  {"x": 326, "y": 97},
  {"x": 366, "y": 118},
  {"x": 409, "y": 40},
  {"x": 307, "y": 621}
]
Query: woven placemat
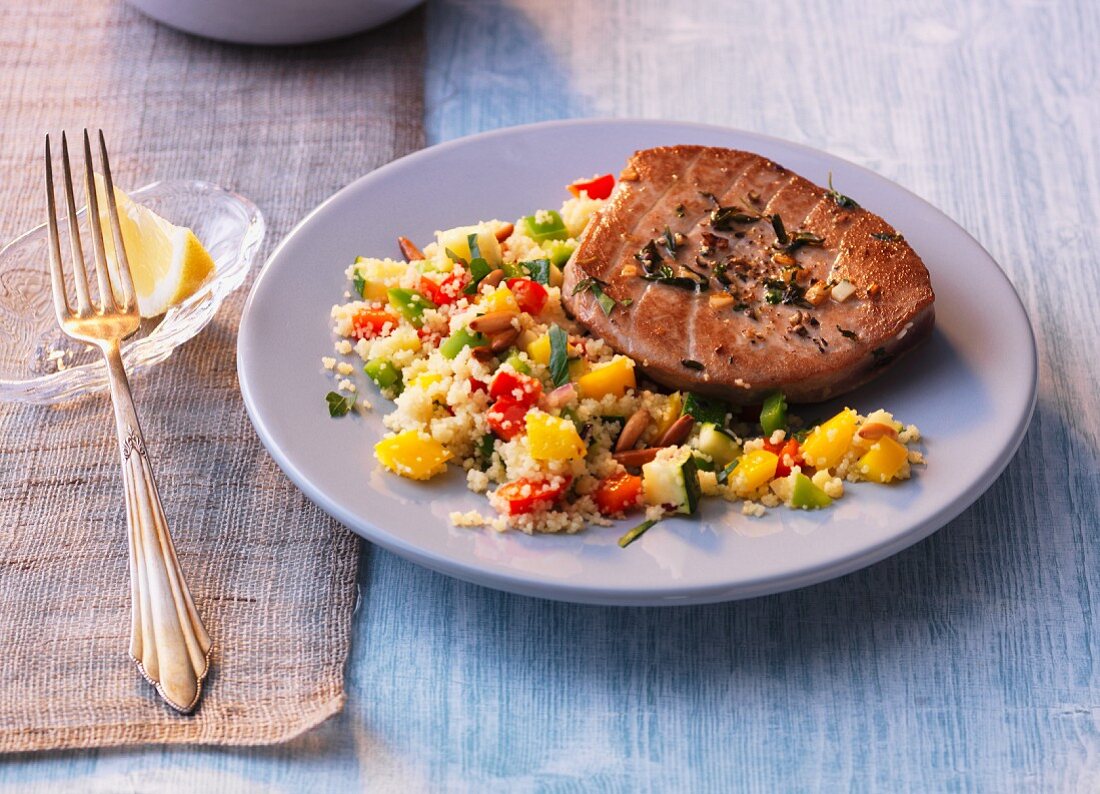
[{"x": 272, "y": 576}]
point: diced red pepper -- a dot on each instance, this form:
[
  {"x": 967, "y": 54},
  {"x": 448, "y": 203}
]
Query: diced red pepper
[
  {"x": 527, "y": 495},
  {"x": 478, "y": 385},
  {"x": 530, "y": 295},
  {"x": 506, "y": 419},
  {"x": 787, "y": 449},
  {"x": 599, "y": 187},
  {"x": 618, "y": 493},
  {"x": 515, "y": 387},
  {"x": 444, "y": 292},
  {"x": 369, "y": 323}
]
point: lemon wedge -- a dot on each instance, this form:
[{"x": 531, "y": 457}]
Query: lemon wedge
[{"x": 168, "y": 262}]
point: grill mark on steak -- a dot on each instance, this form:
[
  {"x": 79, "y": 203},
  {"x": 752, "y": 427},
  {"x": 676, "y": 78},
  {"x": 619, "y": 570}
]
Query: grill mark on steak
[{"x": 787, "y": 345}]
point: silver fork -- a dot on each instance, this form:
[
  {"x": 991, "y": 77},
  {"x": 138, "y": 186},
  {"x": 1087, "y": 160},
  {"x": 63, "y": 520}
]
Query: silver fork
[{"x": 167, "y": 639}]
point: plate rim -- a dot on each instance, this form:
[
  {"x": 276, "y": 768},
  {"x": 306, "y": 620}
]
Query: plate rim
[{"x": 670, "y": 594}]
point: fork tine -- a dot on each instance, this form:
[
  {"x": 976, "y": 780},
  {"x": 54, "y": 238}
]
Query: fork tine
[
  {"x": 106, "y": 294},
  {"x": 57, "y": 275},
  {"x": 121, "y": 260},
  {"x": 80, "y": 275}
]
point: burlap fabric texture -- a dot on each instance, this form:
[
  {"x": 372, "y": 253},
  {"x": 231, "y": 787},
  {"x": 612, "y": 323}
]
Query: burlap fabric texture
[{"x": 274, "y": 579}]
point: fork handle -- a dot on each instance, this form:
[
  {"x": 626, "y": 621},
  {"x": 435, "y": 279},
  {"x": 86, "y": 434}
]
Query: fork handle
[{"x": 167, "y": 638}]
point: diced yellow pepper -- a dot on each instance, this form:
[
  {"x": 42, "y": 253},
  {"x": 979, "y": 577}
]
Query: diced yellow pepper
[
  {"x": 673, "y": 408},
  {"x": 552, "y": 438},
  {"x": 828, "y": 442},
  {"x": 457, "y": 241},
  {"x": 378, "y": 276},
  {"x": 426, "y": 379},
  {"x": 499, "y": 300},
  {"x": 883, "y": 461},
  {"x": 539, "y": 352},
  {"x": 614, "y": 377},
  {"x": 413, "y": 454},
  {"x": 754, "y": 469}
]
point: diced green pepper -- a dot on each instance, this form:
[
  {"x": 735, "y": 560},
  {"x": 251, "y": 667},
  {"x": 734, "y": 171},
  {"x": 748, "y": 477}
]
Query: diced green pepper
[
  {"x": 518, "y": 364},
  {"x": 806, "y": 494},
  {"x": 704, "y": 410},
  {"x": 384, "y": 373},
  {"x": 773, "y": 414},
  {"x": 559, "y": 250},
  {"x": 460, "y": 339},
  {"x": 551, "y": 228},
  {"x": 412, "y": 305}
]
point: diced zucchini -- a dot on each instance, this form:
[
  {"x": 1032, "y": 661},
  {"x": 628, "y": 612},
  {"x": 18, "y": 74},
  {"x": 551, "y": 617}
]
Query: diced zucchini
[
  {"x": 673, "y": 482},
  {"x": 703, "y": 464},
  {"x": 716, "y": 442}
]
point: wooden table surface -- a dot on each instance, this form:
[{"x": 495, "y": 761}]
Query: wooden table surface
[{"x": 966, "y": 663}]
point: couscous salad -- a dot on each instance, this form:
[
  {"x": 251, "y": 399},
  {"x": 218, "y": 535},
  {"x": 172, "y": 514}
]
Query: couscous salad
[{"x": 469, "y": 339}]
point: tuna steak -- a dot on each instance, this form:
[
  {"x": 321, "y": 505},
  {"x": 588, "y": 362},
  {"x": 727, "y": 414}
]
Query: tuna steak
[{"x": 723, "y": 273}]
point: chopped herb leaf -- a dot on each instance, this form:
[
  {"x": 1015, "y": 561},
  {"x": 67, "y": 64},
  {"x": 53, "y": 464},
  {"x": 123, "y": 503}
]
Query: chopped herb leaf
[
  {"x": 359, "y": 282},
  {"x": 559, "y": 356},
  {"x": 339, "y": 404},
  {"x": 607, "y": 303},
  {"x": 773, "y": 296},
  {"x": 680, "y": 282},
  {"x": 723, "y": 218},
  {"x": 479, "y": 269},
  {"x": 887, "y": 237},
  {"x": 626, "y": 302},
  {"x": 458, "y": 260},
  {"x": 485, "y": 451},
  {"x": 679, "y": 210},
  {"x": 799, "y": 239},
  {"x": 649, "y": 256},
  {"x": 475, "y": 249},
  {"x": 539, "y": 270},
  {"x": 848, "y": 334},
  {"x": 780, "y": 232},
  {"x": 691, "y": 363},
  {"x": 669, "y": 242},
  {"x": 840, "y": 199},
  {"x": 595, "y": 286},
  {"x": 724, "y": 475},
  {"x": 637, "y": 532}
]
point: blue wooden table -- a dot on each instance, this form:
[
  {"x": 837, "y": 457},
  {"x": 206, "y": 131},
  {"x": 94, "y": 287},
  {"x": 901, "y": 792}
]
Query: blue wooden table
[{"x": 963, "y": 664}]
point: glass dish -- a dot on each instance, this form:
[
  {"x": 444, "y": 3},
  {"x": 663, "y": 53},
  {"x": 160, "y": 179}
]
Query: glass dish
[{"x": 39, "y": 364}]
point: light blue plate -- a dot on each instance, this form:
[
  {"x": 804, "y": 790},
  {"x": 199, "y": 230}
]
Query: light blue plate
[{"x": 971, "y": 389}]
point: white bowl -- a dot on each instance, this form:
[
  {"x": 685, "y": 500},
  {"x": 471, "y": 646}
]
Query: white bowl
[{"x": 273, "y": 21}]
